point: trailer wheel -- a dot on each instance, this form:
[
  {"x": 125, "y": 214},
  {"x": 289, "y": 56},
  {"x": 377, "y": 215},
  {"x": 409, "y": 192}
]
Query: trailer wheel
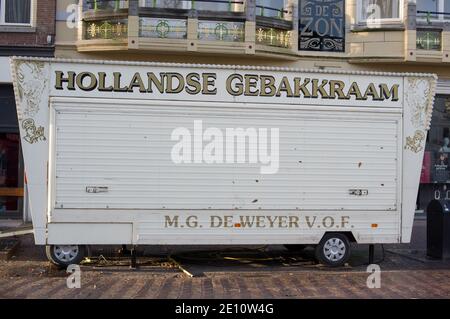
[
  {"x": 65, "y": 255},
  {"x": 295, "y": 247},
  {"x": 333, "y": 250}
]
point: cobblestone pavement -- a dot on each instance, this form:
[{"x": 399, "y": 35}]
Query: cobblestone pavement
[{"x": 230, "y": 273}]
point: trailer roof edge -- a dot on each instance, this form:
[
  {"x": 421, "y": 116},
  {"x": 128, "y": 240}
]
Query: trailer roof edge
[{"x": 222, "y": 66}]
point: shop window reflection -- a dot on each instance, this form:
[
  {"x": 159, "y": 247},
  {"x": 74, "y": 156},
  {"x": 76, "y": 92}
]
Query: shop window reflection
[{"x": 9, "y": 172}]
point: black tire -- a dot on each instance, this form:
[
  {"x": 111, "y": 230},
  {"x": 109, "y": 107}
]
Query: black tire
[
  {"x": 333, "y": 250},
  {"x": 65, "y": 255},
  {"x": 295, "y": 248}
]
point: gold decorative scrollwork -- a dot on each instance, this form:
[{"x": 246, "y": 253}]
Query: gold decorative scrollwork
[
  {"x": 31, "y": 82},
  {"x": 420, "y": 100},
  {"x": 414, "y": 143},
  {"x": 33, "y": 134}
]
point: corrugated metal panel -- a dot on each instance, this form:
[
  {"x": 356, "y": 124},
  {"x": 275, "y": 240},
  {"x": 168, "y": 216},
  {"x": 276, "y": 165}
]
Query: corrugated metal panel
[{"x": 322, "y": 156}]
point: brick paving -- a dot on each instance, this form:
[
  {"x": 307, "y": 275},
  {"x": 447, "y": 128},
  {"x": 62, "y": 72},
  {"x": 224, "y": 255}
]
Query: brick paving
[
  {"x": 143, "y": 284},
  {"x": 272, "y": 273}
]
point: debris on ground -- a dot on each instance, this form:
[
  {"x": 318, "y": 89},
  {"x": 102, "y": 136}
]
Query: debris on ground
[{"x": 8, "y": 247}]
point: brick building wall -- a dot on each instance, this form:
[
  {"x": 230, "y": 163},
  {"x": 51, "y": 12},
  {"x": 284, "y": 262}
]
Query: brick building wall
[{"x": 19, "y": 37}]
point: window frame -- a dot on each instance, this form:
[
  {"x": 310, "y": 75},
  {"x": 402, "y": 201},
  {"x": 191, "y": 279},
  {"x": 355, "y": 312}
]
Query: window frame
[
  {"x": 185, "y": 5},
  {"x": 2, "y": 15},
  {"x": 360, "y": 20},
  {"x": 440, "y": 17}
]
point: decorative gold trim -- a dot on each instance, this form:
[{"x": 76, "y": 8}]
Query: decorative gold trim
[
  {"x": 33, "y": 134},
  {"x": 420, "y": 98},
  {"x": 30, "y": 88},
  {"x": 414, "y": 143}
]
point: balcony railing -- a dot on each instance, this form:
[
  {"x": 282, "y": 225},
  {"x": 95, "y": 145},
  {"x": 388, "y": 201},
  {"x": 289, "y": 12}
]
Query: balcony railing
[
  {"x": 226, "y": 31},
  {"x": 113, "y": 29},
  {"x": 107, "y": 5},
  {"x": 429, "y": 40},
  {"x": 201, "y": 5},
  {"x": 216, "y": 21},
  {"x": 433, "y": 15},
  {"x": 162, "y": 28},
  {"x": 273, "y": 37}
]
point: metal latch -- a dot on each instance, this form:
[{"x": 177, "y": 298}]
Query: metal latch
[
  {"x": 358, "y": 192},
  {"x": 96, "y": 189}
]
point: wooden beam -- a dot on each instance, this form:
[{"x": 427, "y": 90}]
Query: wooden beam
[{"x": 6, "y": 191}]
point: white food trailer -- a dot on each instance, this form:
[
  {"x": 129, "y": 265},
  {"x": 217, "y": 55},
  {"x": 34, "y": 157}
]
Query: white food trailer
[{"x": 134, "y": 153}]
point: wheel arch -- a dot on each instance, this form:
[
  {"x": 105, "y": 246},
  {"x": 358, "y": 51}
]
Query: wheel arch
[{"x": 348, "y": 234}]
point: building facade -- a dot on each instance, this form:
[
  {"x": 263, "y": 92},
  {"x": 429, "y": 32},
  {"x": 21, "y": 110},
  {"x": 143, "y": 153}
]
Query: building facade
[
  {"x": 376, "y": 35},
  {"x": 27, "y": 28}
]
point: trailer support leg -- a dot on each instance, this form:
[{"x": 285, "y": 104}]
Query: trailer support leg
[
  {"x": 125, "y": 251},
  {"x": 133, "y": 258},
  {"x": 371, "y": 253}
]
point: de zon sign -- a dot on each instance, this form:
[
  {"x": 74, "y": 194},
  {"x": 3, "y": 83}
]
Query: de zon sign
[{"x": 322, "y": 25}]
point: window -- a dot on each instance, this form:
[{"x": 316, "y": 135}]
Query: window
[
  {"x": 380, "y": 11},
  {"x": 203, "y": 5},
  {"x": 214, "y": 5},
  {"x": 271, "y": 8},
  {"x": 104, "y": 4},
  {"x": 427, "y": 5},
  {"x": 168, "y": 4},
  {"x": 10, "y": 190},
  {"x": 15, "y": 12},
  {"x": 433, "y": 9}
]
